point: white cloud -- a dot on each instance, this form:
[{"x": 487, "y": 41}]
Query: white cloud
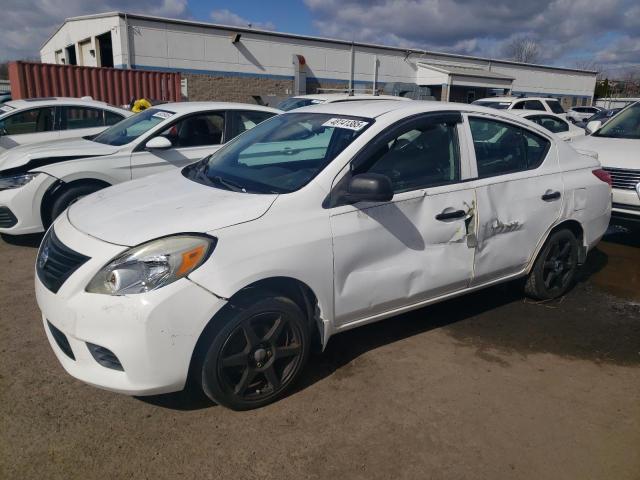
[{"x": 226, "y": 17}]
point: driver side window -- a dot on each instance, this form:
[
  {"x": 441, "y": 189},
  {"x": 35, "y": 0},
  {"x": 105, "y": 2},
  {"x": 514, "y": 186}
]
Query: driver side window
[
  {"x": 197, "y": 130},
  {"x": 36, "y": 120},
  {"x": 421, "y": 156}
]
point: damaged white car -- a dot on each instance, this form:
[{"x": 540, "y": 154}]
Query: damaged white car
[{"x": 312, "y": 223}]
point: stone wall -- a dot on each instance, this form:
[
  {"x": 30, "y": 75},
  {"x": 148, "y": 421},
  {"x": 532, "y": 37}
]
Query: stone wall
[{"x": 234, "y": 89}]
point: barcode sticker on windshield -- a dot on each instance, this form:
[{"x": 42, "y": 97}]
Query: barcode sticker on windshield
[
  {"x": 347, "y": 123},
  {"x": 6, "y": 108},
  {"x": 163, "y": 115}
]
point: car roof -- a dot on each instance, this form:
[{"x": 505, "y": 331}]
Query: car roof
[
  {"x": 528, "y": 113},
  {"x": 377, "y": 108},
  {"x": 40, "y": 102},
  {"x": 187, "y": 107},
  {"x": 337, "y": 97},
  {"x": 513, "y": 99}
]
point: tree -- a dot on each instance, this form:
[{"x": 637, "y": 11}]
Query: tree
[{"x": 522, "y": 49}]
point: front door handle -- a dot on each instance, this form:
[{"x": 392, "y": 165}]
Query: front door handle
[
  {"x": 454, "y": 214},
  {"x": 550, "y": 196}
]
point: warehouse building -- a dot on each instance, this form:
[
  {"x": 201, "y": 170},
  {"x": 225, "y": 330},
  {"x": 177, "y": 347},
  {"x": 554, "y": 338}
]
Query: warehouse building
[{"x": 241, "y": 64}]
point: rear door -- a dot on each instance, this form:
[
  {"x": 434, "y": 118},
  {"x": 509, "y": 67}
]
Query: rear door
[
  {"x": 192, "y": 137},
  {"x": 29, "y": 126},
  {"x": 519, "y": 192},
  {"x": 392, "y": 254}
]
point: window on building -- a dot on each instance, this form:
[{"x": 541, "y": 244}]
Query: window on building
[
  {"x": 71, "y": 55},
  {"x": 36, "y": 120},
  {"x": 420, "y": 157},
  {"x": 503, "y": 148}
]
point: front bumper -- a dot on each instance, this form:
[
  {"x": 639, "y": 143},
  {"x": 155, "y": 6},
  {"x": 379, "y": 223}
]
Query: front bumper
[
  {"x": 153, "y": 335},
  {"x": 24, "y": 204}
]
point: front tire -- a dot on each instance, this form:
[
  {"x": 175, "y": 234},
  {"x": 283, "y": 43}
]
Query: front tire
[
  {"x": 555, "y": 268},
  {"x": 69, "y": 196},
  {"x": 257, "y": 353}
]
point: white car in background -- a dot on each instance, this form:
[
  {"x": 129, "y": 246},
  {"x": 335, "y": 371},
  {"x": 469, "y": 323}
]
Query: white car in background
[
  {"x": 317, "y": 221},
  {"x": 320, "y": 98},
  {"x": 577, "y": 114},
  {"x": 552, "y": 122},
  {"x": 38, "y": 120},
  {"x": 38, "y": 182},
  {"x": 543, "y": 104},
  {"x": 617, "y": 144}
]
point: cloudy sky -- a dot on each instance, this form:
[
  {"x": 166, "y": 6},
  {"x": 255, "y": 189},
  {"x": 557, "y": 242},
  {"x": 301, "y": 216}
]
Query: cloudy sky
[{"x": 570, "y": 32}]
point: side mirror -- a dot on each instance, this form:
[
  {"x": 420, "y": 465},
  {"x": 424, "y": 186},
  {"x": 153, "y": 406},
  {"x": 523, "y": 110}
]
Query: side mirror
[
  {"x": 593, "y": 126},
  {"x": 369, "y": 187},
  {"x": 158, "y": 143}
]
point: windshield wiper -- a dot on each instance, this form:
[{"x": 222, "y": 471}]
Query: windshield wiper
[{"x": 230, "y": 185}]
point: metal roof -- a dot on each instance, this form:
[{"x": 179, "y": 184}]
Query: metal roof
[{"x": 231, "y": 28}]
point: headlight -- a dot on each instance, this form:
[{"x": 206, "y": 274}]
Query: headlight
[
  {"x": 16, "y": 181},
  {"x": 152, "y": 265}
]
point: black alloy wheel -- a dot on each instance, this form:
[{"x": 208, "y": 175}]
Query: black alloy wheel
[
  {"x": 555, "y": 269},
  {"x": 257, "y": 354}
]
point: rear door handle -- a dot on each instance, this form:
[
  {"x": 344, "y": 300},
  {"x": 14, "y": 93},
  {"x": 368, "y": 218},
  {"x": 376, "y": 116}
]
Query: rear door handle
[
  {"x": 550, "y": 196},
  {"x": 454, "y": 214}
]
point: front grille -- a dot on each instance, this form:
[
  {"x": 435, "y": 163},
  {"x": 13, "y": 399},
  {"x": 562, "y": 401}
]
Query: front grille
[
  {"x": 105, "y": 357},
  {"x": 624, "y": 178},
  {"x": 56, "y": 262},
  {"x": 624, "y": 206},
  {"x": 61, "y": 341},
  {"x": 7, "y": 218}
]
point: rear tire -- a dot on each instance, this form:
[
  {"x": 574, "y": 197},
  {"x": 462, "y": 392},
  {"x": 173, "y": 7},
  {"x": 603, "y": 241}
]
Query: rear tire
[
  {"x": 69, "y": 196},
  {"x": 256, "y": 354},
  {"x": 554, "y": 271}
]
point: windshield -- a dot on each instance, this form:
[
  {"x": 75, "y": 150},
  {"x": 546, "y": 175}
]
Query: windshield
[
  {"x": 133, "y": 127},
  {"x": 293, "y": 102},
  {"x": 498, "y": 105},
  {"x": 280, "y": 155},
  {"x": 625, "y": 124},
  {"x": 555, "y": 107}
]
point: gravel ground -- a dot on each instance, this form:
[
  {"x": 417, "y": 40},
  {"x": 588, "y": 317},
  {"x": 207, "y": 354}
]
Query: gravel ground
[{"x": 491, "y": 386}]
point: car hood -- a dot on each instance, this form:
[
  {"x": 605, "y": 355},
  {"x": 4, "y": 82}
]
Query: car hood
[
  {"x": 38, "y": 154},
  {"x": 168, "y": 203},
  {"x": 612, "y": 152}
]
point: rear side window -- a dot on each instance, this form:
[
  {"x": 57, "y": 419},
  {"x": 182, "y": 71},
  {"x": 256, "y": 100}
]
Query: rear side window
[
  {"x": 111, "y": 118},
  {"x": 246, "y": 120},
  {"x": 503, "y": 148},
  {"x": 534, "y": 105},
  {"x": 555, "y": 107},
  {"x": 421, "y": 156},
  {"x": 518, "y": 106},
  {"x": 552, "y": 124},
  {"x": 81, "y": 117},
  {"x": 35, "y": 120}
]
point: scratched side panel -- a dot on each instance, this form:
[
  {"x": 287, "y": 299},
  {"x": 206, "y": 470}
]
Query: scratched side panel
[{"x": 395, "y": 254}]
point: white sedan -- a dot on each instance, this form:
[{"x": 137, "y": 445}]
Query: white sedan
[
  {"x": 617, "y": 144},
  {"x": 38, "y": 182},
  {"x": 552, "y": 122},
  {"x": 314, "y": 222},
  {"x": 23, "y": 122}
]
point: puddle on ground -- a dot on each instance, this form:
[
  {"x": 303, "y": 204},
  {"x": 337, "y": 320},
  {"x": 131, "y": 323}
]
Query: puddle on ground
[{"x": 621, "y": 274}]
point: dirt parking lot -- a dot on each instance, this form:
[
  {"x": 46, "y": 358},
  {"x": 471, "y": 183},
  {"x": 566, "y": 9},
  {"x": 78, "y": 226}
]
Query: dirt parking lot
[{"x": 490, "y": 386}]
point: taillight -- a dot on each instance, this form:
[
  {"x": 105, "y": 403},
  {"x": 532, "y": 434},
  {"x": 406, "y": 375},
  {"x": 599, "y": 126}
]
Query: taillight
[{"x": 604, "y": 176}]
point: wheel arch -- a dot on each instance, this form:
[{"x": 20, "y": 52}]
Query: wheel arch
[
  {"x": 575, "y": 227},
  {"x": 292, "y": 288},
  {"x": 60, "y": 186}
]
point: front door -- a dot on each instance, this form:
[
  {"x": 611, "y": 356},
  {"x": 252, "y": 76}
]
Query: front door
[
  {"x": 393, "y": 254},
  {"x": 28, "y": 126},
  {"x": 519, "y": 192},
  {"x": 192, "y": 138}
]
